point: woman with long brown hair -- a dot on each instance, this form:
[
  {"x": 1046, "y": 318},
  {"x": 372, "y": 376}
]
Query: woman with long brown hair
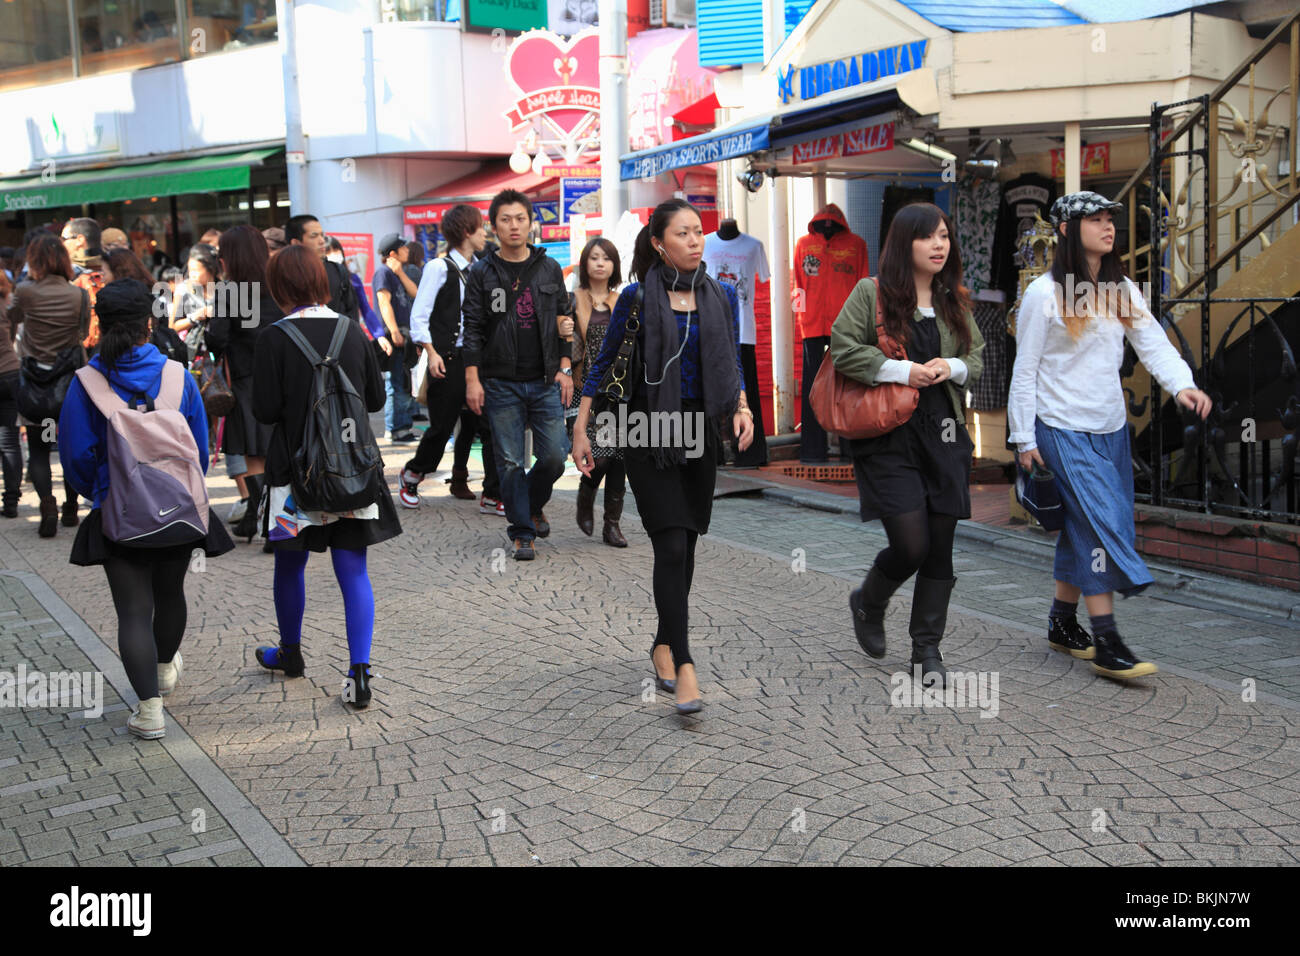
[
  {"x": 916, "y": 478},
  {"x": 244, "y": 307},
  {"x": 599, "y": 276},
  {"x": 55, "y": 318},
  {"x": 1066, "y": 412}
]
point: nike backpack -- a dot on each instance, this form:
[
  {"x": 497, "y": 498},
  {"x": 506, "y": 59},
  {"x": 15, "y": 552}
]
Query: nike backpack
[
  {"x": 338, "y": 464},
  {"x": 157, "y": 496}
]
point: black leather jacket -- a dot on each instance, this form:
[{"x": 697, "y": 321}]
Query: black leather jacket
[{"x": 490, "y": 333}]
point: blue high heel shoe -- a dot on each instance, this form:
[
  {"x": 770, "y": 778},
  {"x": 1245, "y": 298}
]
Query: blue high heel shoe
[{"x": 667, "y": 686}]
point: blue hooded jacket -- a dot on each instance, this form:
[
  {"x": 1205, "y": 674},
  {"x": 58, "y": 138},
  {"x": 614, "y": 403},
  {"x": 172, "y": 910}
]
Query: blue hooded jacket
[{"x": 83, "y": 441}]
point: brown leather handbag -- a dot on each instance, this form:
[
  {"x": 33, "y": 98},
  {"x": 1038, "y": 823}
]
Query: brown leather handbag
[{"x": 851, "y": 409}]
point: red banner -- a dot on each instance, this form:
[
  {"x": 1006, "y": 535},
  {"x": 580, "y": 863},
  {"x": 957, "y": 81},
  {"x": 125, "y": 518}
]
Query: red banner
[
  {"x": 857, "y": 142},
  {"x": 1094, "y": 160},
  {"x": 869, "y": 139},
  {"x": 360, "y": 248}
]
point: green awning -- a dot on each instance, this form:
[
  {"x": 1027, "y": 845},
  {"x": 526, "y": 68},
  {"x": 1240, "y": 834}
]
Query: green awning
[{"x": 200, "y": 175}]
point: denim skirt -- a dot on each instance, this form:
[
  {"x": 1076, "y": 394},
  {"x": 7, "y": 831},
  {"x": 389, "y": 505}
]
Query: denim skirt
[{"x": 1096, "y": 550}]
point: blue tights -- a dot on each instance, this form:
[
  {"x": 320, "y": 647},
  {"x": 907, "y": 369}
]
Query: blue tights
[{"x": 358, "y": 598}]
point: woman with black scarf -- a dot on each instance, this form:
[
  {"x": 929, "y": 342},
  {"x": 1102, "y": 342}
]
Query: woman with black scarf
[{"x": 691, "y": 376}]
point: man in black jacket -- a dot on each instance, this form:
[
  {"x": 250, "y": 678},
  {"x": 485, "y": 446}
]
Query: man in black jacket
[
  {"x": 306, "y": 230},
  {"x": 517, "y": 366}
]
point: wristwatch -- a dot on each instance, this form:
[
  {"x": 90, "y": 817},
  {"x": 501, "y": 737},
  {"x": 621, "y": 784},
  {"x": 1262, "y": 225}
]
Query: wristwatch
[{"x": 567, "y": 371}]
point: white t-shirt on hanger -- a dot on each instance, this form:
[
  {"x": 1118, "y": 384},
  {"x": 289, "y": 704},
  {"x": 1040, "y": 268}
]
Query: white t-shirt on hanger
[{"x": 738, "y": 261}]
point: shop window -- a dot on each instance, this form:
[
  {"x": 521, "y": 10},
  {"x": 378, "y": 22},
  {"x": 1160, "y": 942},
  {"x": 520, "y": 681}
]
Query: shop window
[
  {"x": 215, "y": 26},
  {"x": 35, "y": 44},
  {"x": 126, "y": 34},
  {"x": 447, "y": 11}
]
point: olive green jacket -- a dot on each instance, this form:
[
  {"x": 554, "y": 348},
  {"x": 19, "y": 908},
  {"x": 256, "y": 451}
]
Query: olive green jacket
[{"x": 854, "y": 352}]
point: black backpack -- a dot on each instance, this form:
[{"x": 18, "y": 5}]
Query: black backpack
[{"x": 338, "y": 464}]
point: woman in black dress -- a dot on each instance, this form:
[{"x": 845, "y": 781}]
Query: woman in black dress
[
  {"x": 689, "y": 337},
  {"x": 916, "y": 478},
  {"x": 243, "y": 308},
  {"x": 282, "y": 394}
]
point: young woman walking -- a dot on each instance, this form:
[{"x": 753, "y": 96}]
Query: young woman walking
[
  {"x": 916, "y": 478},
  {"x": 599, "y": 275},
  {"x": 147, "y": 584},
  {"x": 689, "y": 336},
  {"x": 282, "y": 396},
  {"x": 55, "y": 316},
  {"x": 1066, "y": 412}
]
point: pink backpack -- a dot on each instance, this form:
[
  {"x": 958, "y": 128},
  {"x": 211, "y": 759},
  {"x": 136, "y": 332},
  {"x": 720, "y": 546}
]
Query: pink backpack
[{"x": 157, "y": 496}]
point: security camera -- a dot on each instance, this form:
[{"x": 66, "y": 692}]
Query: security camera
[{"x": 751, "y": 179}]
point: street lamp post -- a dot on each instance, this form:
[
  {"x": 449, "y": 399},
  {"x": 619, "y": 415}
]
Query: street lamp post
[{"x": 613, "y": 110}]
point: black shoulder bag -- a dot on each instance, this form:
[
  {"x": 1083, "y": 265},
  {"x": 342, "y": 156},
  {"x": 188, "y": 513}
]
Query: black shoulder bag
[{"x": 627, "y": 368}]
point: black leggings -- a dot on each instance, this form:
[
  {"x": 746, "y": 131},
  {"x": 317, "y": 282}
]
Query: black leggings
[
  {"x": 150, "y": 604},
  {"x": 38, "y": 464},
  {"x": 919, "y": 543},
  {"x": 674, "y": 567}
]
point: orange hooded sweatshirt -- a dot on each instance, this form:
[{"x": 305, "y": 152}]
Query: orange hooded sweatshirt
[{"x": 826, "y": 270}]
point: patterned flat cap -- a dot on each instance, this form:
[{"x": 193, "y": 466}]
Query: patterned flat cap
[{"x": 1079, "y": 205}]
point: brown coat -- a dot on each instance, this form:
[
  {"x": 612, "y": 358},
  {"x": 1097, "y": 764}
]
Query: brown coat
[
  {"x": 582, "y": 315},
  {"x": 54, "y": 314}
]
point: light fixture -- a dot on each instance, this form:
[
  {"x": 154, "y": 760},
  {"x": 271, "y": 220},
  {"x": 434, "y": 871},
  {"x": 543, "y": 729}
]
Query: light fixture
[
  {"x": 519, "y": 162},
  {"x": 985, "y": 166},
  {"x": 539, "y": 162},
  {"x": 926, "y": 147}
]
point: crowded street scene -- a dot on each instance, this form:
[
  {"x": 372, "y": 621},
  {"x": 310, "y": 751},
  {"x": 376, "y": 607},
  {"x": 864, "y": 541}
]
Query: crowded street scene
[{"x": 649, "y": 434}]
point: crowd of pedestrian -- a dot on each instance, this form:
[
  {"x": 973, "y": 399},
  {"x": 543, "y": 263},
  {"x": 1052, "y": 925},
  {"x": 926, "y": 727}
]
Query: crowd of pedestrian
[{"x": 287, "y": 359}]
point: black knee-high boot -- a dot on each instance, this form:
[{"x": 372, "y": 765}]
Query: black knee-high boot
[{"x": 929, "y": 619}]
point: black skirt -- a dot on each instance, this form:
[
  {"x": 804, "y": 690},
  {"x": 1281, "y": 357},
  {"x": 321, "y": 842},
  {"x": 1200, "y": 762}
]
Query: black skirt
[
  {"x": 680, "y": 496},
  {"x": 244, "y": 434},
  {"x": 349, "y": 534},
  {"x": 91, "y": 547},
  {"x": 923, "y": 463}
]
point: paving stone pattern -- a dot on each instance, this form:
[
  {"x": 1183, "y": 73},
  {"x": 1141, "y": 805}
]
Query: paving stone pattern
[{"x": 515, "y": 723}]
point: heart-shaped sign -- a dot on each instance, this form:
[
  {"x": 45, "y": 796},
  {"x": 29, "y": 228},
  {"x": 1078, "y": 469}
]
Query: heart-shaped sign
[{"x": 539, "y": 60}]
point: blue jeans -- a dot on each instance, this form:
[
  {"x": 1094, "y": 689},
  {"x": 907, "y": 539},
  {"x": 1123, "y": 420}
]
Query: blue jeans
[
  {"x": 400, "y": 406},
  {"x": 512, "y": 408}
]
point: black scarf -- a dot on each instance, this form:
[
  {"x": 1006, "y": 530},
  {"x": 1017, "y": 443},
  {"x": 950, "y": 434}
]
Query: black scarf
[{"x": 719, "y": 378}]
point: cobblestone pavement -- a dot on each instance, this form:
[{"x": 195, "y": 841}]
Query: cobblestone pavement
[{"x": 515, "y": 722}]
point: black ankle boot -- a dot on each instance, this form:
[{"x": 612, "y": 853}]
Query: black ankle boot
[
  {"x": 613, "y": 534},
  {"x": 1064, "y": 634},
  {"x": 929, "y": 619},
  {"x": 356, "y": 691},
  {"x": 1114, "y": 659},
  {"x": 586, "y": 505},
  {"x": 248, "y": 525},
  {"x": 288, "y": 659},
  {"x": 867, "y": 603}
]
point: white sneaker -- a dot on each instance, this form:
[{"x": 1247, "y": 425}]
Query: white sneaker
[
  {"x": 146, "y": 721},
  {"x": 169, "y": 674},
  {"x": 408, "y": 489},
  {"x": 237, "y": 510}
]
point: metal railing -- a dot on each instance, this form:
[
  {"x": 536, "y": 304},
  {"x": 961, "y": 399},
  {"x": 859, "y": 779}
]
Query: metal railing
[{"x": 1198, "y": 257}]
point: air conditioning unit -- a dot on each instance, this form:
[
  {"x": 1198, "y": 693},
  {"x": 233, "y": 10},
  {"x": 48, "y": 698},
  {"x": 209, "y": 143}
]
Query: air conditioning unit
[{"x": 672, "y": 13}]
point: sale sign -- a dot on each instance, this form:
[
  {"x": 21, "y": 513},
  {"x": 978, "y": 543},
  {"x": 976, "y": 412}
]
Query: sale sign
[
  {"x": 1094, "y": 160},
  {"x": 856, "y": 142}
]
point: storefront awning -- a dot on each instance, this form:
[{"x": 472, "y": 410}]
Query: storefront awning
[
  {"x": 838, "y": 112},
  {"x": 728, "y": 142},
  {"x": 476, "y": 189},
  {"x": 202, "y": 174}
]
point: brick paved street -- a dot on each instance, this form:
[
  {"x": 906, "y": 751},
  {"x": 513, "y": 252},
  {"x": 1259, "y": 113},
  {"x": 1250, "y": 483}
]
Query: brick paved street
[{"x": 514, "y": 723}]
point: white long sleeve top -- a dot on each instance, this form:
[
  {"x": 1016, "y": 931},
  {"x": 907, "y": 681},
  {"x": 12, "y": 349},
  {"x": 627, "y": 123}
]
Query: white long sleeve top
[
  {"x": 431, "y": 280},
  {"x": 899, "y": 371},
  {"x": 1075, "y": 385}
]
